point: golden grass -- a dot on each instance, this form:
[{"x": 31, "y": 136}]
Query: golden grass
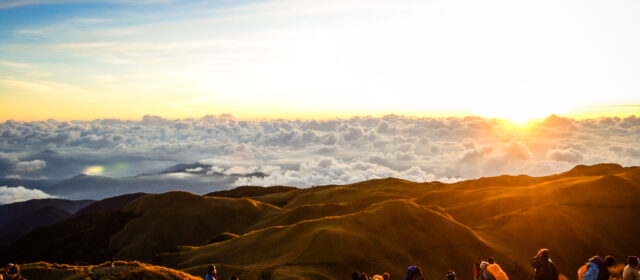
[
  {"x": 381, "y": 225},
  {"x": 123, "y": 270}
]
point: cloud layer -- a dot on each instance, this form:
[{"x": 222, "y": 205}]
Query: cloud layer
[{"x": 314, "y": 152}]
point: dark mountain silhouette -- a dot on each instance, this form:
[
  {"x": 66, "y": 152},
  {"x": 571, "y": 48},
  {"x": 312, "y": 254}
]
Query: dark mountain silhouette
[
  {"x": 10, "y": 212},
  {"x": 251, "y": 191},
  {"x": 44, "y": 216},
  {"x": 112, "y": 203},
  {"x": 84, "y": 185},
  {"x": 99, "y": 187},
  {"x": 17, "y": 219},
  {"x": 80, "y": 239},
  {"x": 327, "y": 232}
]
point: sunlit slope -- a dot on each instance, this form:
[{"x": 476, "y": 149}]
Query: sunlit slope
[
  {"x": 588, "y": 210},
  {"x": 121, "y": 270},
  {"x": 383, "y": 237},
  {"x": 576, "y": 214},
  {"x": 146, "y": 226},
  {"x": 327, "y": 232},
  {"x": 168, "y": 220}
]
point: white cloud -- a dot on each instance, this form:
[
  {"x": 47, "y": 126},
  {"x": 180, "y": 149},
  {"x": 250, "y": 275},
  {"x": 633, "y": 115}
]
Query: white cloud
[
  {"x": 569, "y": 155},
  {"x": 194, "y": 170},
  {"x": 327, "y": 170},
  {"x": 20, "y": 193},
  {"x": 316, "y": 152},
  {"x": 28, "y": 166}
]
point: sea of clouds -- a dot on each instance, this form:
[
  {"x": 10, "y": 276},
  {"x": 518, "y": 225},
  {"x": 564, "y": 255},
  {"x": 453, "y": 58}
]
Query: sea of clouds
[{"x": 313, "y": 152}]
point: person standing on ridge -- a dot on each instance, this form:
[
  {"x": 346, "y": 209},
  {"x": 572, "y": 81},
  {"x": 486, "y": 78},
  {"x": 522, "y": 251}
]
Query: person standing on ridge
[
  {"x": 212, "y": 274},
  {"x": 544, "y": 268},
  {"x": 484, "y": 273},
  {"x": 631, "y": 270},
  {"x": 413, "y": 273},
  {"x": 476, "y": 268},
  {"x": 609, "y": 261}
]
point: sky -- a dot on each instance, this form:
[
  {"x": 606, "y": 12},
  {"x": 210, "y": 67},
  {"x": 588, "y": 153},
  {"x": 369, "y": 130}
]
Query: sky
[{"x": 515, "y": 60}]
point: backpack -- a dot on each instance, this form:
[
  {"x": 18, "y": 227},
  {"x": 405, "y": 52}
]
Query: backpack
[
  {"x": 592, "y": 272},
  {"x": 582, "y": 271},
  {"x": 497, "y": 272}
]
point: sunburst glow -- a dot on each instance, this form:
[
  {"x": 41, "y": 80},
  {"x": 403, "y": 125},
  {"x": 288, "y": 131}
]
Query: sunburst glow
[{"x": 94, "y": 170}]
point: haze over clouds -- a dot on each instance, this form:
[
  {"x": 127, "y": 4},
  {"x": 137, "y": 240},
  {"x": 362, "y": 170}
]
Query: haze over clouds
[{"x": 307, "y": 153}]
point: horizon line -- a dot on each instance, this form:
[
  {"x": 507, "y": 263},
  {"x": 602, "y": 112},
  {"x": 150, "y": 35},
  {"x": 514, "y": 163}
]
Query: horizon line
[{"x": 333, "y": 117}]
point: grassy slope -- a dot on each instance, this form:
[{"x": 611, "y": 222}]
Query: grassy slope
[
  {"x": 329, "y": 231},
  {"x": 385, "y": 225},
  {"x": 122, "y": 270}
]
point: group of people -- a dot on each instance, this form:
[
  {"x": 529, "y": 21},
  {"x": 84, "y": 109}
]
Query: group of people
[
  {"x": 363, "y": 276},
  {"x": 596, "y": 268},
  {"x": 488, "y": 270}
]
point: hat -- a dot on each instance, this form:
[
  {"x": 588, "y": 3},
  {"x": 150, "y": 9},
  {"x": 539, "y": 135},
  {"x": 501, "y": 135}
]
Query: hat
[
  {"x": 609, "y": 260},
  {"x": 544, "y": 253},
  {"x": 597, "y": 260},
  {"x": 413, "y": 270},
  {"x": 13, "y": 269}
]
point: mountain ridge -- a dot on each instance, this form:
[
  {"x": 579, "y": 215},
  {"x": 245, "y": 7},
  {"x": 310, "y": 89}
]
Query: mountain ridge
[{"x": 327, "y": 232}]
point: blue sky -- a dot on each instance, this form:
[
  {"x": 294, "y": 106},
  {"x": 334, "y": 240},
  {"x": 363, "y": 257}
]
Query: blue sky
[{"x": 317, "y": 59}]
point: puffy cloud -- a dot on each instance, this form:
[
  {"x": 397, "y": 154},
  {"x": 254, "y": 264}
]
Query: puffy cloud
[
  {"x": 569, "y": 155},
  {"x": 327, "y": 170},
  {"x": 20, "y": 193},
  {"x": 304, "y": 153},
  {"x": 517, "y": 151},
  {"x": 28, "y": 166}
]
